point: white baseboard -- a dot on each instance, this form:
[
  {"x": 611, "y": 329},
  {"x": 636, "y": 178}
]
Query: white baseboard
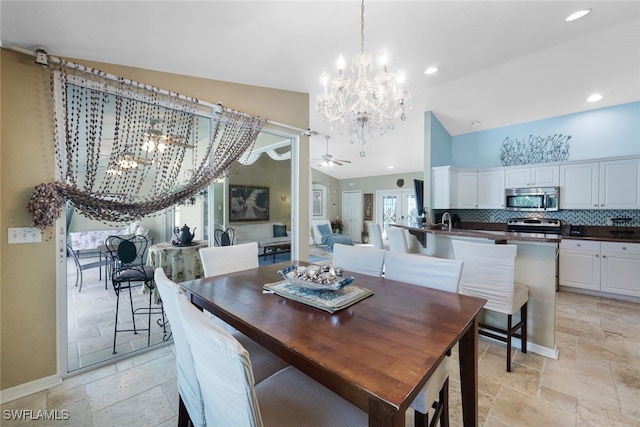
[
  {"x": 31, "y": 387},
  {"x": 551, "y": 353}
]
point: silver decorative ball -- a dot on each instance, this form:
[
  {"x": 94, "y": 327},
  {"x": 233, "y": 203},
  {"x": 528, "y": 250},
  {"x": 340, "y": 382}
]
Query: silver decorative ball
[{"x": 339, "y": 271}]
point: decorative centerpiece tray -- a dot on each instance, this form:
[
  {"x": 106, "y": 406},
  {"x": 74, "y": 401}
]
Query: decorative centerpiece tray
[
  {"x": 315, "y": 277},
  {"x": 332, "y": 296}
]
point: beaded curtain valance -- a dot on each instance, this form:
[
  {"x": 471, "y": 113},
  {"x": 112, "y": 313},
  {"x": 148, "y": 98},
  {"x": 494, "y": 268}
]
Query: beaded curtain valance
[{"x": 125, "y": 150}]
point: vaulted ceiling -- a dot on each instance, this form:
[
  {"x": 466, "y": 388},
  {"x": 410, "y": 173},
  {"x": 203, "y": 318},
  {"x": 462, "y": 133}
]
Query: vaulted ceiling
[{"x": 500, "y": 63}]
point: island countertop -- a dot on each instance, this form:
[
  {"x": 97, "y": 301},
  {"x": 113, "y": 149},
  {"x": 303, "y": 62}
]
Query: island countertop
[{"x": 495, "y": 235}]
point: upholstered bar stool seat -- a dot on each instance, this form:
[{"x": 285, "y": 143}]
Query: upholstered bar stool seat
[{"x": 489, "y": 273}]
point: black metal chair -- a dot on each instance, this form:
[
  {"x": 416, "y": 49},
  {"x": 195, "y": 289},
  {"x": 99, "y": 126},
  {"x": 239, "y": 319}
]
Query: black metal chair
[
  {"x": 224, "y": 237},
  {"x": 129, "y": 271}
]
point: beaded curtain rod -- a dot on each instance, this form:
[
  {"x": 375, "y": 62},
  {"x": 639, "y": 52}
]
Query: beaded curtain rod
[{"x": 125, "y": 150}]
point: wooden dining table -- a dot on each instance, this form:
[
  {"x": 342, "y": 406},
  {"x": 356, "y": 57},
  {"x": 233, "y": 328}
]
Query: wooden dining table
[{"x": 377, "y": 353}]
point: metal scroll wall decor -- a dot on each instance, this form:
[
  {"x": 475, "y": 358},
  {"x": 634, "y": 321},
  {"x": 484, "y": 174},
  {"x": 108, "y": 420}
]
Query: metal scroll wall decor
[
  {"x": 537, "y": 149},
  {"x": 125, "y": 150}
]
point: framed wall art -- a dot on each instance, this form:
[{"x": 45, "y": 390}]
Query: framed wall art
[
  {"x": 367, "y": 206},
  {"x": 248, "y": 203},
  {"x": 318, "y": 203}
]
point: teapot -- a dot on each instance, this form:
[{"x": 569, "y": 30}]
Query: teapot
[{"x": 183, "y": 235}]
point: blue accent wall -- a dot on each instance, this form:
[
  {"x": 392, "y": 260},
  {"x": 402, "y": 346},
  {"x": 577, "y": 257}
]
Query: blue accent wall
[
  {"x": 440, "y": 140},
  {"x": 605, "y": 132}
]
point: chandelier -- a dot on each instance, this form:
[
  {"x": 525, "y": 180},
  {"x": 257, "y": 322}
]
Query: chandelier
[{"x": 364, "y": 105}]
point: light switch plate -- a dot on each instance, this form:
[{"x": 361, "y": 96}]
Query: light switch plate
[{"x": 24, "y": 235}]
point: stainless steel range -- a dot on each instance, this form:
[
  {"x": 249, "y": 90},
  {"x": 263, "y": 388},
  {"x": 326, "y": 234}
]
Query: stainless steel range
[{"x": 534, "y": 225}]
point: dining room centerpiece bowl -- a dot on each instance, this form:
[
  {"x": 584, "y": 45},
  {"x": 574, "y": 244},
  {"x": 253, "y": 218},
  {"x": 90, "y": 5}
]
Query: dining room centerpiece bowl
[{"x": 313, "y": 277}]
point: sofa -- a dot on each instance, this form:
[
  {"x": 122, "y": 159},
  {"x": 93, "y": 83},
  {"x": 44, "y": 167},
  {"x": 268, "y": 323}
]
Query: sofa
[{"x": 262, "y": 233}]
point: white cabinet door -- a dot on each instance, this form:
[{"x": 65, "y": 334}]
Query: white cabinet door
[
  {"x": 620, "y": 268},
  {"x": 491, "y": 189},
  {"x": 444, "y": 187},
  {"x": 467, "y": 190},
  {"x": 579, "y": 186},
  {"x": 541, "y": 176},
  {"x": 580, "y": 264},
  {"x": 620, "y": 184},
  {"x": 545, "y": 176},
  {"x": 517, "y": 178}
]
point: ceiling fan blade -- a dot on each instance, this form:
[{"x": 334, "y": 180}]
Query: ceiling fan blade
[
  {"x": 343, "y": 161},
  {"x": 337, "y": 162}
]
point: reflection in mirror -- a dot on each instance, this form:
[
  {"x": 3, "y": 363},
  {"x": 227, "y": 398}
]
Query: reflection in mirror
[{"x": 154, "y": 155}]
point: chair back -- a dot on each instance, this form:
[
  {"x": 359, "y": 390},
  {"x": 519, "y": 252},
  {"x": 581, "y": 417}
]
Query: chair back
[
  {"x": 127, "y": 253},
  {"x": 489, "y": 272},
  {"x": 376, "y": 235},
  {"x": 359, "y": 259},
  {"x": 224, "y": 237},
  {"x": 223, "y": 368},
  {"x": 188, "y": 384},
  {"x": 423, "y": 270},
  {"x": 219, "y": 260},
  {"x": 397, "y": 240}
]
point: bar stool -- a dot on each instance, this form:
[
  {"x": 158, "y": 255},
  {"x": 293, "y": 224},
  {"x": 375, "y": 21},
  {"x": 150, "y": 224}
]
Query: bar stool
[{"x": 489, "y": 273}]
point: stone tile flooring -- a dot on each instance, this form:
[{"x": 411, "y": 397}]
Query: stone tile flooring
[
  {"x": 594, "y": 382},
  {"x": 91, "y": 319}
]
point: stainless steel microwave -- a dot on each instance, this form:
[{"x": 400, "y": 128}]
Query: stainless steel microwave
[{"x": 536, "y": 199}]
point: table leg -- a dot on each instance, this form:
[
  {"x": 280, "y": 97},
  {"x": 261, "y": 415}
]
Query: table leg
[
  {"x": 381, "y": 415},
  {"x": 468, "y": 355}
]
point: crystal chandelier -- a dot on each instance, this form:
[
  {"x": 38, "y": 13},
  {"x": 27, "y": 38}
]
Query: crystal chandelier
[{"x": 364, "y": 105}]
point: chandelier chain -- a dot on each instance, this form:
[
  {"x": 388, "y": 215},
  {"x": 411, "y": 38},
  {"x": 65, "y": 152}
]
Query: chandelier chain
[{"x": 362, "y": 27}]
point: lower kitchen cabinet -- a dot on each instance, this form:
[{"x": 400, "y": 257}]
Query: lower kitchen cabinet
[{"x": 611, "y": 267}]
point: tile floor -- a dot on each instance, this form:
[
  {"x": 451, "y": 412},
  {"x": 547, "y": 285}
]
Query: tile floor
[
  {"x": 91, "y": 318},
  {"x": 594, "y": 382}
]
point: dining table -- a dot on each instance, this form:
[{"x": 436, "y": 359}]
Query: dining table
[{"x": 377, "y": 353}]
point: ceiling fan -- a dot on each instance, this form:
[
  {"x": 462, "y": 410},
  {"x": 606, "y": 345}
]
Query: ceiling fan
[{"x": 328, "y": 159}]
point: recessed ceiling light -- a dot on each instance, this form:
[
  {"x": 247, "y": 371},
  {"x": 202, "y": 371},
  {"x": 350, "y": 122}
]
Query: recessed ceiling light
[
  {"x": 594, "y": 98},
  {"x": 389, "y": 167},
  {"x": 577, "y": 15},
  {"x": 431, "y": 70},
  {"x": 475, "y": 123}
]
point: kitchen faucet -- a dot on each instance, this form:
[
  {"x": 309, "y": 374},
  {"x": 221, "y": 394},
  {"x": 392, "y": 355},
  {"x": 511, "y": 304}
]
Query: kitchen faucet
[{"x": 446, "y": 219}]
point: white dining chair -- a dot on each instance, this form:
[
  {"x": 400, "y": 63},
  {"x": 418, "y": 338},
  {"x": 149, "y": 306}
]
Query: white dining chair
[
  {"x": 359, "y": 259},
  {"x": 397, "y": 240},
  {"x": 436, "y": 273},
  {"x": 191, "y": 405},
  {"x": 375, "y": 232},
  {"x": 287, "y": 398},
  {"x": 489, "y": 273},
  {"x": 217, "y": 260}
]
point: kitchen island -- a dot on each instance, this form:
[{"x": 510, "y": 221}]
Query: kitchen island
[{"x": 536, "y": 268}]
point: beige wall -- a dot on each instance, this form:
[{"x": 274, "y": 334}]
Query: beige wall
[
  {"x": 274, "y": 174},
  {"x": 27, "y": 271}
]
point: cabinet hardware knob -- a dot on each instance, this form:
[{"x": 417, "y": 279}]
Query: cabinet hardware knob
[
  {"x": 578, "y": 244},
  {"x": 602, "y": 204},
  {"x": 604, "y": 256},
  {"x": 624, "y": 248},
  {"x": 598, "y": 256},
  {"x": 595, "y": 205}
]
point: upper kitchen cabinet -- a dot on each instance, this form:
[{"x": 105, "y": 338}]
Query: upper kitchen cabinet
[
  {"x": 467, "y": 190},
  {"x": 613, "y": 184},
  {"x": 541, "y": 176},
  {"x": 491, "y": 189},
  {"x": 444, "y": 187}
]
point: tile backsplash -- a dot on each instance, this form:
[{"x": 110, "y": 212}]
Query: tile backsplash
[{"x": 576, "y": 217}]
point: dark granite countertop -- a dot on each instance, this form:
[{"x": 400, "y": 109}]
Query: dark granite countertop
[{"x": 498, "y": 233}]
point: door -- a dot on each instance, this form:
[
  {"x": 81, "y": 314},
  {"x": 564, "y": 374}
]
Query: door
[
  {"x": 579, "y": 186},
  {"x": 396, "y": 207},
  {"x": 352, "y": 214}
]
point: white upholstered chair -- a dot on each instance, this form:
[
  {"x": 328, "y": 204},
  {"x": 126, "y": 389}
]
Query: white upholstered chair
[
  {"x": 397, "y": 240},
  {"x": 359, "y": 259},
  {"x": 436, "y": 273},
  {"x": 489, "y": 272},
  {"x": 191, "y": 405},
  {"x": 375, "y": 232},
  {"x": 217, "y": 260},
  {"x": 287, "y": 398}
]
